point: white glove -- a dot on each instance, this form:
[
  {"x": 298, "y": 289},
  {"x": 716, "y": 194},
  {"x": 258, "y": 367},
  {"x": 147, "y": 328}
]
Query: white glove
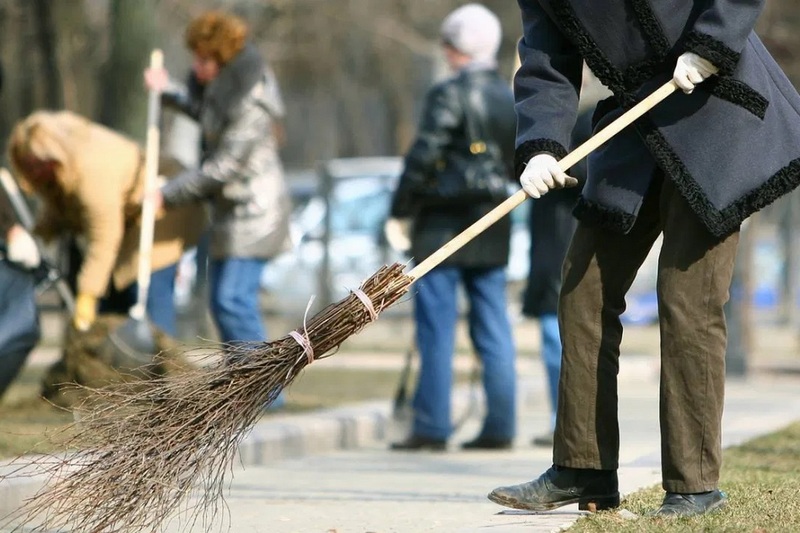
[
  {"x": 690, "y": 70},
  {"x": 398, "y": 233},
  {"x": 22, "y": 248},
  {"x": 541, "y": 174}
]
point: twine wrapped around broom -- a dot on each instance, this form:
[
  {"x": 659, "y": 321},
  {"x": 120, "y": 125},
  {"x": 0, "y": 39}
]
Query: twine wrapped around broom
[{"x": 146, "y": 447}]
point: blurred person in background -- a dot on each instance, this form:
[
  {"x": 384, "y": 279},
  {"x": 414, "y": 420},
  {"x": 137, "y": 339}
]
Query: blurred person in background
[
  {"x": 466, "y": 133},
  {"x": 90, "y": 181},
  {"x": 234, "y": 96},
  {"x": 19, "y": 318}
]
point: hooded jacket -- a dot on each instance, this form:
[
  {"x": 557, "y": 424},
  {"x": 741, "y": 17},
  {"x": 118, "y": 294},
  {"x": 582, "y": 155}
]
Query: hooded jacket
[{"x": 731, "y": 147}]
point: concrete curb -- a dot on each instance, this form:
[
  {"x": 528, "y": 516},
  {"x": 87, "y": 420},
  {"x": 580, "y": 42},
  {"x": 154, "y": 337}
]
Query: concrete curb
[
  {"x": 345, "y": 428},
  {"x": 301, "y": 435}
]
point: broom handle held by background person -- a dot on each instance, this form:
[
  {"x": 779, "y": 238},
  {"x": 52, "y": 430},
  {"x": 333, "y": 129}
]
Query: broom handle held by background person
[
  {"x": 517, "y": 198},
  {"x": 139, "y": 310}
]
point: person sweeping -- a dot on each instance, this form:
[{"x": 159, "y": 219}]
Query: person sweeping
[{"x": 692, "y": 169}]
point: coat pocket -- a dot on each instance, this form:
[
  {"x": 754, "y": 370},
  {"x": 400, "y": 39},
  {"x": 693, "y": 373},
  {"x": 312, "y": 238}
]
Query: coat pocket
[{"x": 738, "y": 93}]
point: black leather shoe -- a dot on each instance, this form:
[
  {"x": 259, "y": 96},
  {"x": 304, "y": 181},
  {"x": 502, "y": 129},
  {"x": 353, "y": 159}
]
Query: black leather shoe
[
  {"x": 677, "y": 504},
  {"x": 487, "y": 443},
  {"x": 592, "y": 490},
  {"x": 545, "y": 440},
  {"x": 418, "y": 442}
]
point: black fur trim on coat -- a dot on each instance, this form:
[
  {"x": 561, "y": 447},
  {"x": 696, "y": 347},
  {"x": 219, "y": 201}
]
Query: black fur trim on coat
[
  {"x": 728, "y": 220},
  {"x": 739, "y": 93},
  {"x": 528, "y": 149},
  {"x": 713, "y": 50},
  {"x": 636, "y": 75},
  {"x": 600, "y": 65},
  {"x": 622, "y": 84},
  {"x": 656, "y": 39},
  {"x": 605, "y": 217},
  {"x": 651, "y": 27}
]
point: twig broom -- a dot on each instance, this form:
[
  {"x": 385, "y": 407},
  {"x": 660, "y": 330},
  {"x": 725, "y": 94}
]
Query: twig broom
[{"x": 146, "y": 447}]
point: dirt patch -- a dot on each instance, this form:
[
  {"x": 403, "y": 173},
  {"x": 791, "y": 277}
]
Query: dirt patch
[{"x": 88, "y": 362}]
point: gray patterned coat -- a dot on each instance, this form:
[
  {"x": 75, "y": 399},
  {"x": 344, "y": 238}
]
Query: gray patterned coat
[
  {"x": 731, "y": 147},
  {"x": 241, "y": 173}
]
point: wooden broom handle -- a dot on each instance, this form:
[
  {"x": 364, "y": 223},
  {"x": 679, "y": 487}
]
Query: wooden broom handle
[
  {"x": 139, "y": 310},
  {"x": 517, "y": 198}
]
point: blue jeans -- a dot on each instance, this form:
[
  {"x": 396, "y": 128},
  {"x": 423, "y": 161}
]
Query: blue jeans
[
  {"x": 160, "y": 299},
  {"x": 436, "y": 314},
  {"x": 234, "y": 286},
  {"x": 551, "y": 356}
]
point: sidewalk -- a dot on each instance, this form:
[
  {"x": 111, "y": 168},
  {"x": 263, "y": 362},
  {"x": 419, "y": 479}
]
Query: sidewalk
[
  {"x": 364, "y": 487},
  {"x": 330, "y": 471}
]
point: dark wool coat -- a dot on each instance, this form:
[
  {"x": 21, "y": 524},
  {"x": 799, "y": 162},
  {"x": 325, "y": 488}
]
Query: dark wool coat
[{"x": 731, "y": 147}]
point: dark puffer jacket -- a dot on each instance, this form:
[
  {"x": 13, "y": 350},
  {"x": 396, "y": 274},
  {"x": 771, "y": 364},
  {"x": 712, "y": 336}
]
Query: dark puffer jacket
[{"x": 488, "y": 99}]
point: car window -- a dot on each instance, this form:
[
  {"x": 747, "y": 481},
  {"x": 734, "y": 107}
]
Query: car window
[{"x": 362, "y": 213}]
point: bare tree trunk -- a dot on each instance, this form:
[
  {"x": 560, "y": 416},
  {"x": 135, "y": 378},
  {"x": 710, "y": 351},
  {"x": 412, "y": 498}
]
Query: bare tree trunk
[
  {"x": 80, "y": 53},
  {"x": 26, "y": 85},
  {"x": 53, "y": 87},
  {"x": 132, "y": 32}
]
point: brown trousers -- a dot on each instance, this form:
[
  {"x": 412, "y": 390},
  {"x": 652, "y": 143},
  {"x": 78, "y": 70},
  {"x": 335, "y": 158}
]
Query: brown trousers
[{"x": 694, "y": 275}]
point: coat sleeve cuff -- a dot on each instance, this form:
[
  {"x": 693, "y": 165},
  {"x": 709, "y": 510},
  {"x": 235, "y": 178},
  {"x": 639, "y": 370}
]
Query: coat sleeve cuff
[
  {"x": 528, "y": 149},
  {"x": 713, "y": 50},
  {"x": 174, "y": 191}
]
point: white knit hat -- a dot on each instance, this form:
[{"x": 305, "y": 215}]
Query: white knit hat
[{"x": 473, "y": 30}]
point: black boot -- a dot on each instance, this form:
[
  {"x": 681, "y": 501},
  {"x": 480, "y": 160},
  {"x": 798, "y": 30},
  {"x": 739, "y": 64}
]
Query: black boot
[
  {"x": 418, "y": 442},
  {"x": 487, "y": 443},
  {"x": 677, "y": 504},
  {"x": 592, "y": 490}
]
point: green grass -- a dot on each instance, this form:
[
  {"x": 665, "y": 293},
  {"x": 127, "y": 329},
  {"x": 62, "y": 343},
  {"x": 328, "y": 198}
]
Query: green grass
[{"x": 761, "y": 478}]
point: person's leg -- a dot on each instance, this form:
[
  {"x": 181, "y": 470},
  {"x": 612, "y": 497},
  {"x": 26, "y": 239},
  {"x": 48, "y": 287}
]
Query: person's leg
[
  {"x": 234, "y": 285},
  {"x": 161, "y": 299},
  {"x": 436, "y": 313},
  {"x": 234, "y": 290},
  {"x": 493, "y": 339},
  {"x": 694, "y": 275},
  {"x": 598, "y": 271},
  {"x": 19, "y": 321},
  {"x": 551, "y": 357}
]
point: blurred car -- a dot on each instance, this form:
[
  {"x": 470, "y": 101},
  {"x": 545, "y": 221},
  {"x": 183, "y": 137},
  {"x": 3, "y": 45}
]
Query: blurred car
[{"x": 339, "y": 242}]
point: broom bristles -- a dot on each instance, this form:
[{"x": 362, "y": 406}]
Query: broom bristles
[{"x": 142, "y": 448}]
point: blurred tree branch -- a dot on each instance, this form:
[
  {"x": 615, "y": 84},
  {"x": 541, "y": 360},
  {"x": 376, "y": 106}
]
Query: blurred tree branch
[{"x": 352, "y": 72}]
